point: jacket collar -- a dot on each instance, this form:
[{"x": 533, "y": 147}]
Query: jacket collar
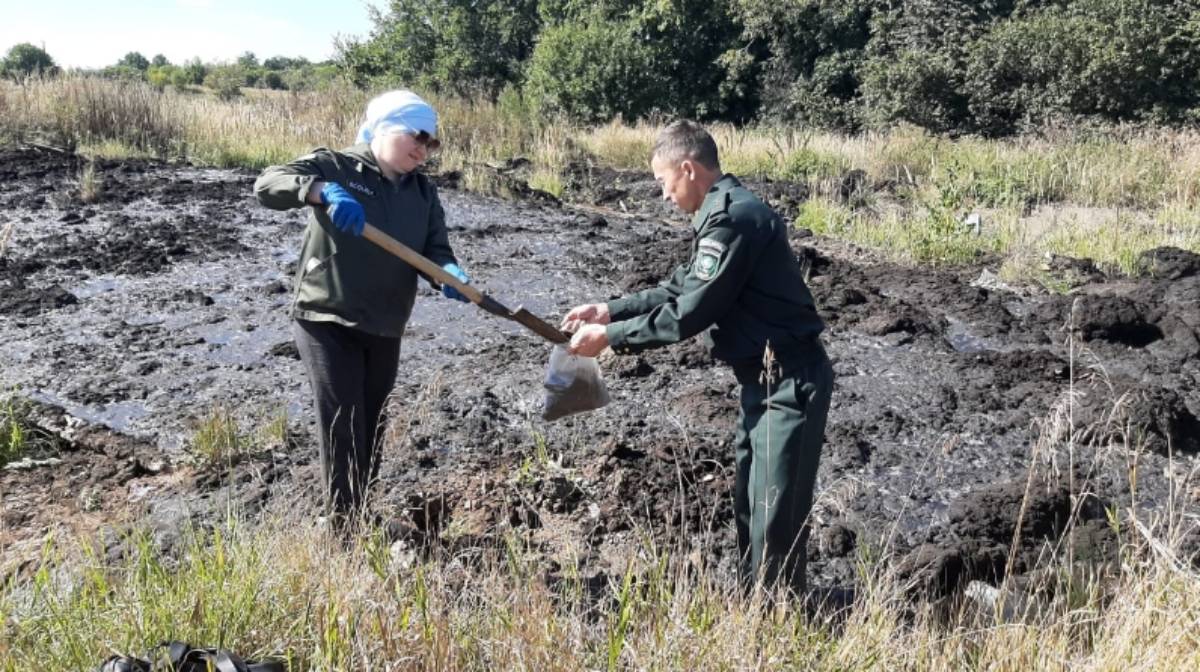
[
  {"x": 366, "y": 160},
  {"x": 716, "y": 200}
]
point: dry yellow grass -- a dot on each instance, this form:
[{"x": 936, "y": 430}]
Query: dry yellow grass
[
  {"x": 282, "y": 588},
  {"x": 920, "y": 185}
]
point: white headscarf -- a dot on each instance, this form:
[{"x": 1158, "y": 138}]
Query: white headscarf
[{"x": 399, "y": 111}]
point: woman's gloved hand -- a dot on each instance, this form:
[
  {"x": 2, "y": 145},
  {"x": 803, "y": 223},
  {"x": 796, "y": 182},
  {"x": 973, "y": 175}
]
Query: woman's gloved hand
[
  {"x": 450, "y": 292},
  {"x": 346, "y": 212}
]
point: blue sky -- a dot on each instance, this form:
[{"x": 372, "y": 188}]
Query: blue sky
[{"x": 94, "y": 33}]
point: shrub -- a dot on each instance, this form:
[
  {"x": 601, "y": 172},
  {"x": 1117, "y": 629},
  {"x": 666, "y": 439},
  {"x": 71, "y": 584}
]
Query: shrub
[
  {"x": 195, "y": 71},
  {"x": 593, "y": 70},
  {"x": 271, "y": 80},
  {"x": 1114, "y": 59},
  {"x": 226, "y": 81},
  {"x": 806, "y": 163},
  {"x": 181, "y": 78},
  {"x": 158, "y": 76},
  {"x": 918, "y": 86}
]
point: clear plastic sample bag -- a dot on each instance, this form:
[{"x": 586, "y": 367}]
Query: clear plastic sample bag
[{"x": 573, "y": 385}]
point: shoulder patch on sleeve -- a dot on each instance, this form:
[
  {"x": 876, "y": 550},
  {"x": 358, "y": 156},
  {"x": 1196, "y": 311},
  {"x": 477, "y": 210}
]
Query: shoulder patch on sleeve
[{"x": 708, "y": 258}]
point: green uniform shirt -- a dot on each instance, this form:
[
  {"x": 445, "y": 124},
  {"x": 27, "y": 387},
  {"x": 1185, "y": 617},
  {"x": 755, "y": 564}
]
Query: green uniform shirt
[
  {"x": 344, "y": 278},
  {"x": 742, "y": 280}
]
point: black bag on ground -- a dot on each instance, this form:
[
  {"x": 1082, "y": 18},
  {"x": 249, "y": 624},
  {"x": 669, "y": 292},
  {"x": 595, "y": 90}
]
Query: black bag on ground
[{"x": 181, "y": 657}]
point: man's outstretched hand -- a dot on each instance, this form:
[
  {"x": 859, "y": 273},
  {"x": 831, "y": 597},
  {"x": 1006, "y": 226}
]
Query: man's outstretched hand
[
  {"x": 590, "y": 340},
  {"x": 588, "y": 313}
]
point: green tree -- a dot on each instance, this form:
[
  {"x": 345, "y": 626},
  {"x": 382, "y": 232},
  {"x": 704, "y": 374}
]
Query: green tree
[
  {"x": 916, "y": 62},
  {"x": 134, "y": 60},
  {"x": 194, "y": 71},
  {"x": 694, "y": 45},
  {"x": 285, "y": 63},
  {"x": 248, "y": 61},
  {"x": 691, "y": 50},
  {"x": 300, "y": 79},
  {"x": 810, "y": 55},
  {"x": 458, "y": 46},
  {"x": 159, "y": 61},
  {"x": 25, "y": 59}
]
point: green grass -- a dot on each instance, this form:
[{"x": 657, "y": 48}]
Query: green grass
[
  {"x": 934, "y": 234},
  {"x": 19, "y": 438},
  {"x": 275, "y": 433},
  {"x": 282, "y": 589},
  {"x": 547, "y": 181},
  {"x": 219, "y": 441},
  {"x": 13, "y": 435}
]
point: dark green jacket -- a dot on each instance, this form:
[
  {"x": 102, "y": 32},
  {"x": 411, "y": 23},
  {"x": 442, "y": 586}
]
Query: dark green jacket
[
  {"x": 346, "y": 279},
  {"x": 742, "y": 280}
]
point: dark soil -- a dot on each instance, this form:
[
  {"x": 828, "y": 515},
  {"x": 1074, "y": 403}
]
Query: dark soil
[{"x": 127, "y": 320}]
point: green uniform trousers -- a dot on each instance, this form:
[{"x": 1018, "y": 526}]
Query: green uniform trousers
[{"x": 780, "y": 430}]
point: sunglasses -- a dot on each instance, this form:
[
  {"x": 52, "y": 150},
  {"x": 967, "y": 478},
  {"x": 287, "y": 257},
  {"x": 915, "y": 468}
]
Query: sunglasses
[{"x": 426, "y": 140}]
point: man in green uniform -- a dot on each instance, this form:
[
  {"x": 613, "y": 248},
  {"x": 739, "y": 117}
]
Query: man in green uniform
[{"x": 744, "y": 285}]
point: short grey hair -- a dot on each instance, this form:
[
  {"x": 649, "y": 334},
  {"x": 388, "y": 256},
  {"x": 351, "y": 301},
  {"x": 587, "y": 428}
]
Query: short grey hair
[{"x": 686, "y": 139}]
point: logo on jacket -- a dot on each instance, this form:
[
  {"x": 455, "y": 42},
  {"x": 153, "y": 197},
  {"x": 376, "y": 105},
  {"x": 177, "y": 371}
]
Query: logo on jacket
[
  {"x": 708, "y": 258},
  {"x": 359, "y": 187}
]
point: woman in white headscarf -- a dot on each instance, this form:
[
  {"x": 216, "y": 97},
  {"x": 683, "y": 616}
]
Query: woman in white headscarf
[{"x": 352, "y": 299}]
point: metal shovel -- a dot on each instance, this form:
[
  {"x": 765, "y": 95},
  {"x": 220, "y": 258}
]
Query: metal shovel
[{"x": 412, "y": 258}]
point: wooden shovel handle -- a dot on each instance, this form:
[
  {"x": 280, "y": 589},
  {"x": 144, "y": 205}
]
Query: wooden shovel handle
[
  {"x": 419, "y": 262},
  {"x": 412, "y": 258}
]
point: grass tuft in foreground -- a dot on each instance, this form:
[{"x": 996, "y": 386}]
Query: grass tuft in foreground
[
  {"x": 219, "y": 440},
  {"x": 19, "y": 437},
  {"x": 283, "y": 590}
]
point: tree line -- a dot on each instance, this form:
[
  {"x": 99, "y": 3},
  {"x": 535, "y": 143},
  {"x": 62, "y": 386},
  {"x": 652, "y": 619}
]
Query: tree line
[
  {"x": 987, "y": 67},
  {"x": 991, "y": 67},
  {"x": 226, "y": 79}
]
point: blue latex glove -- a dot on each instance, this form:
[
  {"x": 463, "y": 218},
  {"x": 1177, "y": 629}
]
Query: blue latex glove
[
  {"x": 450, "y": 292},
  {"x": 347, "y": 214}
]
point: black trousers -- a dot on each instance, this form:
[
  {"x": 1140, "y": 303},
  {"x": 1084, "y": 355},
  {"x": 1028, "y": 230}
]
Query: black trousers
[{"x": 352, "y": 373}]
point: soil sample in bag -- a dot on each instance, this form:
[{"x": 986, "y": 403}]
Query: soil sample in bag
[{"x": 573, "y": 385}]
